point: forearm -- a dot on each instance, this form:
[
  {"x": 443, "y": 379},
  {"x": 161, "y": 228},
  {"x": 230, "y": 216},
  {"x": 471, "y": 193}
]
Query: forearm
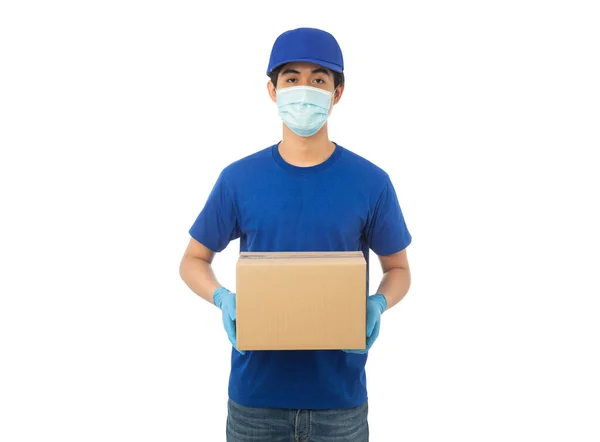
[
  {"x": 199, "y": 277},
  {"x": 394, "y": 285}
]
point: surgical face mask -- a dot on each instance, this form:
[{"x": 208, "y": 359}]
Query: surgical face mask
[{"x": 304, "y": 109}]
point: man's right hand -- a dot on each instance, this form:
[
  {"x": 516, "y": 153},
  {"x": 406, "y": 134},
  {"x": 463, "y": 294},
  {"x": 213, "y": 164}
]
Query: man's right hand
[{"x": 225, "y": 300}]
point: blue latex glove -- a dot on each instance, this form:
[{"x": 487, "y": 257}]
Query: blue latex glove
[
  {"x": 225, "y": 300},
  {"x": 376, "y": 305}
]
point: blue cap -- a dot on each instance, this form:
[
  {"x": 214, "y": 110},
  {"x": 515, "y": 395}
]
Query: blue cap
[{"x": 307, "y": 44}]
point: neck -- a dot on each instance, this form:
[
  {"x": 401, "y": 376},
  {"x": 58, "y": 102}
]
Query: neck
[{"x": 305, "y": 151}]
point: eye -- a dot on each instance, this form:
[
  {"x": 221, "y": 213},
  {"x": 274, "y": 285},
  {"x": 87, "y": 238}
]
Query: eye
[
  {"x": 290, "y": 80},
  {"x": 320, "y": 81}
]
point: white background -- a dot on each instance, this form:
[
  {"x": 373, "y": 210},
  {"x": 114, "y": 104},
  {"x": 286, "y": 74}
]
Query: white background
[{"x": 116, "y": 118}]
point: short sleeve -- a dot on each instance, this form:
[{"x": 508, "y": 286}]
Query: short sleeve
[
  {"x": 387, "y": 232},
  {"x": 217, "y": 224}
]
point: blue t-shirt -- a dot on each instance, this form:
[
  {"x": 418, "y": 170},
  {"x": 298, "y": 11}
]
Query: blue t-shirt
[{"x": 345, "y": 203}]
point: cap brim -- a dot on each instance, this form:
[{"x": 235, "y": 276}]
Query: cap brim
[{"x": 332, "y": 66}]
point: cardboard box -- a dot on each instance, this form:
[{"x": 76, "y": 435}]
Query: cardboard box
[{"x": 301, "y": 301}]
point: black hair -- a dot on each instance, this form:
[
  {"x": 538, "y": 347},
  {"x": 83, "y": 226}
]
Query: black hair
[{"x": 338, "y": 77}]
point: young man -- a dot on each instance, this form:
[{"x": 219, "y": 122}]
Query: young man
[{"x": 305, "y": 193}]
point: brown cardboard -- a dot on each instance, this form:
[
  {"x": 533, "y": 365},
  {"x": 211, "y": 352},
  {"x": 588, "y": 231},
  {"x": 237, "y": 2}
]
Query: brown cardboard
[{"x": 301, "y": 301}]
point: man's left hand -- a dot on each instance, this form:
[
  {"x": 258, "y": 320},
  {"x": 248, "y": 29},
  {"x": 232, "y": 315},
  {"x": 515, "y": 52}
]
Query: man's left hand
[{"x": 376, "y": 305}]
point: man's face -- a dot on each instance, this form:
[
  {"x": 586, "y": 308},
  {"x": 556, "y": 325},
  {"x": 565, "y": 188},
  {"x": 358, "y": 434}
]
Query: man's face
[{"x": 305, "y": 74}]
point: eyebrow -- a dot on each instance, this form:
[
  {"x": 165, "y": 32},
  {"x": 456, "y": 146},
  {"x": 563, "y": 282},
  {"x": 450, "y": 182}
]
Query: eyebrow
[{"x": 315, "y": 71}]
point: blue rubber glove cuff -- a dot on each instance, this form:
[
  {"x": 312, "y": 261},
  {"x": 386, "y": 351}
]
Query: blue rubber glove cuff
[
  {"x": 219, "y": 294},
  {"x": 380, "y": 300}
]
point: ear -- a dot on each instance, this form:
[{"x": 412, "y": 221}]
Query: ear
[
  {"x": 272, "y": 91},
  {"x": 338, "y": 94}
]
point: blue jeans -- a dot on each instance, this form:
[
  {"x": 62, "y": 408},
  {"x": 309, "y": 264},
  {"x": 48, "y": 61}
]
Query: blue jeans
[{"x": 253, "y": 424}]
